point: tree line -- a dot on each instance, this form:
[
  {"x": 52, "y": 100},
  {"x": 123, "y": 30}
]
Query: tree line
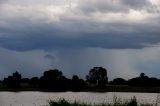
[{"x": 54, "y": 80}]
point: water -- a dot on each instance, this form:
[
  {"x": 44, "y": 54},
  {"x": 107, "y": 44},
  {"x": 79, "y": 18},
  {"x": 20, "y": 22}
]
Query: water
[{"x": 41, "y": 98}]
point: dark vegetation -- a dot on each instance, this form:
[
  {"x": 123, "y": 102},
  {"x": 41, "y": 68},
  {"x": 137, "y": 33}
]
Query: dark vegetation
[
  {"x": 116, "y": 102},
  {"x": 96, "y": 81}
]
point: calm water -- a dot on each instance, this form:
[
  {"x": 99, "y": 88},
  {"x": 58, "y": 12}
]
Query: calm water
[{"x": 41, "y": 98}]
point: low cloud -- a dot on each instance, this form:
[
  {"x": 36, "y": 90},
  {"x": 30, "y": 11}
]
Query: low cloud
[
  {"x": 29, "y": 63},
  {"x": 125, "y": 63}
]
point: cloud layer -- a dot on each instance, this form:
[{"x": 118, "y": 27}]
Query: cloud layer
[
  {"x": 96, "y": 32},
  {"x": 105, "y": 23}
]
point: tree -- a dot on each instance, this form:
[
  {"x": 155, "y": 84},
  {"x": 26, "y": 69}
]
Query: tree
[
  {"x": 53, "y": 79},
  {"x": 16, "y": 79},
  {"x": 119, "y": 81},
  {"x": 34, "y": 81},
  {"x": 53, "y": 74},
  {"x": 142, "y": 75},
  {"x": 77, "y": 83},
  {"x": 13, "y": 81},
  {"x": 142, "y": 80},
  {"x": 98, "y": 76}
]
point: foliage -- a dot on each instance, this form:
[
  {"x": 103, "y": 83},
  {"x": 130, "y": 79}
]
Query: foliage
[
  {"x": 77, "y": 84},
  {"x": 53, "y": 80},
  {"x": 13, "y": 81},
  {"x": 144, "y": 81},
  {"x": 118, "y": 81},
  {"x": 116, "y": 102},
  {"x": 98, "y": 76},
  {"x": 63, "y": 102}
]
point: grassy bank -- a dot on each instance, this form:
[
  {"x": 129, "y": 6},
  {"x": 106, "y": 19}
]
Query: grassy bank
[
  {"x": 107, "y": 88},
  {"x": 116, "y": 102},
  {"x": 123, "y": 88}
]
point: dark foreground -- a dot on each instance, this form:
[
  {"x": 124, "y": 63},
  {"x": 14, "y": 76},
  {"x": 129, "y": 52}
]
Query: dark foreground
[
  {"x": 107, "y": 88},
  {"x": 116, "y": 102}
]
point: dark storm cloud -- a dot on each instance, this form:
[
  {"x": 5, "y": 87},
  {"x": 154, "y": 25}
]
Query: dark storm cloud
[
  {"x": 49, "y": 37},
  {"x": 28, "y": 28}
]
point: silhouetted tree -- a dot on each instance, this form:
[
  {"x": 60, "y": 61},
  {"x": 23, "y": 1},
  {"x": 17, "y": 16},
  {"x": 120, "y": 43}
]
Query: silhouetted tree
[
  {"x": 75, "y": 82},
  {"x": 13, "y": 81},
  {"x": 119, "y": 81},
  {"x": 25, "y": 80},
  {"x": 142, "y": 80},
  {"x": 142, "y": 75},
  {"x": 1, "y": 84},
  {"x": 34, "y": 82},
  {"x": 25, "y": 83},
  {"x": 53, "y": 80},
  {"x": 154, "y": 82},
  {"x": 78, "y": 84},
  {"x": 98, "y": 76}
]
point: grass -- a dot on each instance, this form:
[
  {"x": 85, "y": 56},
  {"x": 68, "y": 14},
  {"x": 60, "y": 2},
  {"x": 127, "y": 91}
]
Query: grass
[{"x": 116, "y": 102}]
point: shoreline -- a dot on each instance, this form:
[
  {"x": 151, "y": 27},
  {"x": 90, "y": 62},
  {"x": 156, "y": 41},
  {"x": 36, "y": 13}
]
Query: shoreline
[{"x": 91, "y": 89}]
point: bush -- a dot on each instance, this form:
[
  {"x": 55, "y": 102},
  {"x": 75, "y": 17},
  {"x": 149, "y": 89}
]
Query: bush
[
  {"x": 63, "y": 102},
  {"x": 116, "y": 102}
]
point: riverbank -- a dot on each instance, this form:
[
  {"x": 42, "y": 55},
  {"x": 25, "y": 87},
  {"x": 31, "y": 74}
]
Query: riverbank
[{"x": 108, "y": 88}]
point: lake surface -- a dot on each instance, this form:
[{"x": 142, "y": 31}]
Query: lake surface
[{"x": 41, "y": 98}]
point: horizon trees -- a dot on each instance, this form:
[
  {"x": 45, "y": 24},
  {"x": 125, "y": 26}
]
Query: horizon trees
[
  {"x": 97, "y": 76},
  {"x": 54, "y": 80},
  {"x": 118, "y": 81},
  {"x": 144, "y": 81},
  {"x": 13, "y": 81},
  {"x": 77, "y": 83}
]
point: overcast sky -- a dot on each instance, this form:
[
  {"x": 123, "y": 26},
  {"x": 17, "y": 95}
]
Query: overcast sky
[{"x": 75, "y": 35}]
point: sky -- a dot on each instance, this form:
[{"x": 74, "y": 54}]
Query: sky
[{"x": 74, "y": 36}]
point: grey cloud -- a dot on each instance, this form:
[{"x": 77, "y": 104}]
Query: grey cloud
[
  {"x": 145, "y": 5},
  {"x": 101, "y": 6},
  {"x": 22, "y": 33},
  {"x": 49, "y": 37},
  {"x": 137, "y": 4},
  {"x": 31, "y": 2},
  {"x": 122, "y": 6},
  {"x": 49, "y": 56},
  {"x": 1, "y": 1}
]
